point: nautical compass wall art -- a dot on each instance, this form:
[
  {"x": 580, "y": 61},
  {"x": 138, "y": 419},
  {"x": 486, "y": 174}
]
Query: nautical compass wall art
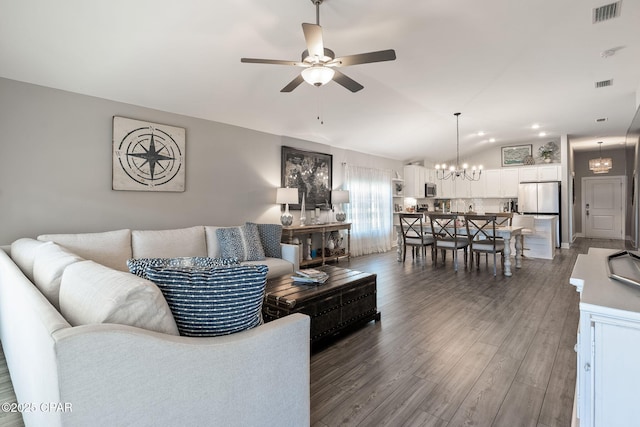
[{"x": 147, "y": 156}]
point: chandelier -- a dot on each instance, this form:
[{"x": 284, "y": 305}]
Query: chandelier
[
  {"x": 455, "y": 171},
  {"x": 600, "y": 165}
]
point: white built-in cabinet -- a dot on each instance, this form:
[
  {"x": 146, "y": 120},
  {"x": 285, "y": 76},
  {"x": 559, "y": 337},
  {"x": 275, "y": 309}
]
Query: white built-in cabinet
[
  {"x": 414, "y": 179},
  {"x": 608, "y": 345},
  {"x": 540, "y": 173},
  {"x": 501, "y": 183},
  {"x": 493, "y": 183}
]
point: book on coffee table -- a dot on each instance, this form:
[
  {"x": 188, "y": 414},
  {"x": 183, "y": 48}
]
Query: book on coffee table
[{"x": 310, "y": 275}]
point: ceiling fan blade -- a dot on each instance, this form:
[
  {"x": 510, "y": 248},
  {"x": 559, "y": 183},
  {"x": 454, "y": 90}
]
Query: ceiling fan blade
[
  {"x": 293, "y": 84},
  {"x": 347, "y": 82},
  {"x": 270, "y": 61},
  {"x": 365, "y": 58},
  {"x": 313, "y": 37}
]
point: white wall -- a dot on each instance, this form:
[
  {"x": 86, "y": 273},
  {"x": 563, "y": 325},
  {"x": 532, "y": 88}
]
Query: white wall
[{"x": 55, "y": 168}]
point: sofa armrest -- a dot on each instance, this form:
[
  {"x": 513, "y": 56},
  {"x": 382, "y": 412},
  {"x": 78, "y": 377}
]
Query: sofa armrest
[
  {"x": 291, "y": 253},
  {"x": 122, "y": 375}
]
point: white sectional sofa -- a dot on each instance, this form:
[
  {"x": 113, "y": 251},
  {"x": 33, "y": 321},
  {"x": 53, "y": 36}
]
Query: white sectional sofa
[{"x": 113, "y": 356}]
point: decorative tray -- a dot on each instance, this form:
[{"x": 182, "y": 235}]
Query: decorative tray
[{"x": 624, "y": 267}]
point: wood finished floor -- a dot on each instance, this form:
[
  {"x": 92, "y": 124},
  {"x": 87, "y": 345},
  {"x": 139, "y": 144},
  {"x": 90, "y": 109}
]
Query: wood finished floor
[
  {"x": 457, "y": 349},
  {"x": 452, "y": 349}
]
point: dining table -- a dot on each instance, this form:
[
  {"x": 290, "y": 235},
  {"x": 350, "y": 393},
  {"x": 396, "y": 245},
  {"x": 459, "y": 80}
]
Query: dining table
[{"x": 506, "y": 232}]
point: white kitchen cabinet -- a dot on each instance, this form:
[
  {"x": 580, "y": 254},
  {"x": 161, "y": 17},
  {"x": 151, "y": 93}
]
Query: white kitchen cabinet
[
  {"x": 445, "y": 189},
  {"x": 414, "y": 178},
  {"x": 501, "y": 183},
  {"x": 608, "y": 345},
  {"x": 539, "y": 173},
  {"x": 509, "y": 181}
]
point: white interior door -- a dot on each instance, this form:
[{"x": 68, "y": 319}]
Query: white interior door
[{"x": 604, "y": 206}]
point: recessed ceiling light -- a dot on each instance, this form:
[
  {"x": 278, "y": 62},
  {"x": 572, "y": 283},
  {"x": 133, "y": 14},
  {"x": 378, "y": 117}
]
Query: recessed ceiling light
[
  {"x": 481, "y": 133},
  {"x": 535, "y": 126},
  {"x": 542, "y": 134},
  {"x": 492, "y": 140}
]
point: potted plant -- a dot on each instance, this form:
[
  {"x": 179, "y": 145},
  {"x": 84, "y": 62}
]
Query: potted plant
[{"x": 548, "y": 151}]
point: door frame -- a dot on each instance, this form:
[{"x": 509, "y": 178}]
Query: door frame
[{"x": 623, "y": 207}]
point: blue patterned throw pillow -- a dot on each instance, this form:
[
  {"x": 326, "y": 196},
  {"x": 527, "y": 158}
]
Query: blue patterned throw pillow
[
  {"x": 270, "y": 237},
  {"x": 137, "y": 266},
  {"x": 240, "y": 242},
  {"x": 212, "y": 301}
]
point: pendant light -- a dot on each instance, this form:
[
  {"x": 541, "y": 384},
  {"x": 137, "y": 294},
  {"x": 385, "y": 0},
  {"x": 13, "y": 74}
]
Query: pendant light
[
  {"x": 455, "y": 171},
  {"x": 600, "y": 165}
]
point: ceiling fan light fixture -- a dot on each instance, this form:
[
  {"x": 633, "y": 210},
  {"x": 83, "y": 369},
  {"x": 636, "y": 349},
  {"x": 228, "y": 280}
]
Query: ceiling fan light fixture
[{"x": 318, "y": 75}]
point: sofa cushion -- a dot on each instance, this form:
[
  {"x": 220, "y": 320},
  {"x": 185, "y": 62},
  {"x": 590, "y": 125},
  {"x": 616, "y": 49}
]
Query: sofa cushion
[
  {"x": 181, "y": 242},
  {"x": 277, "y": 266},
  {"x": 137, "y": 266},
  {"x": 270, "y": 237},
  {"x": 110, "y": 248},
  {"x": 213, "y": 301},
  {"x": 240, "y": 242},
  {"x": 48, "y": 266},
  {"x": 23, "y": 253},
  {"x": 92, "y": 293}
]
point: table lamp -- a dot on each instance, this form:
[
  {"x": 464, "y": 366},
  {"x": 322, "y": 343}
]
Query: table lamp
[
  {"x": 338, "y": 197},
  {"x": 286, "y": 196}
]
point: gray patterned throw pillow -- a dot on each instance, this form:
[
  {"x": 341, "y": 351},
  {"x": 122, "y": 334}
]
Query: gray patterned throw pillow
[
  {"x": 137, "y": 266},
  {"x": 212, "y": 301},
  {"x": 240, "y": 242},
  {"x": 270, "y": 237}
]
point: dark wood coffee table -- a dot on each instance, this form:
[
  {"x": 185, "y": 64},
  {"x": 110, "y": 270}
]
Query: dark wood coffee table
[{"x": 346, "y": 299}]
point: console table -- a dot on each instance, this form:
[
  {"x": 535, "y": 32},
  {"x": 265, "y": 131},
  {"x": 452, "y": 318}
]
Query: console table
[{"x": 302, "y": 232}]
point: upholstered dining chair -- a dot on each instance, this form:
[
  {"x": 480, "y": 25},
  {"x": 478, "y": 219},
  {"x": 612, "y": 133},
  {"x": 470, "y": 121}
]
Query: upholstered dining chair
[
  {"x": 481, "y": 230},
  {"x": 445, "y": 232},
  {"x": 414, "y": 235}
]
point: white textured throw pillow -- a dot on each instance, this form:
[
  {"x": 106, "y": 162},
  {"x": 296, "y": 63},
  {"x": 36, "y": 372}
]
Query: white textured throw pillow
[
  {"x": 50, "y": 262},
  {"x": 110, "y": 248},
  {"x": 92, "y": 293}
]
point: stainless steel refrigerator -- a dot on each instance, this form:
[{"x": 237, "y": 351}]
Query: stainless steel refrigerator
[{"x": 541, "y": 198}]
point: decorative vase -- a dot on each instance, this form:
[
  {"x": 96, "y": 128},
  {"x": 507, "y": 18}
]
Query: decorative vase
[
  {"x": 308, "y": 247},
  {"x": 303, "y": 216},
  {"x": 547, "y": 160},
  {"x": 341, "y": 216}
]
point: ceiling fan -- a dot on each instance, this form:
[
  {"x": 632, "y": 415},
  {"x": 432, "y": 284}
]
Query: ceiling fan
[{"x": 319, "y": 63}]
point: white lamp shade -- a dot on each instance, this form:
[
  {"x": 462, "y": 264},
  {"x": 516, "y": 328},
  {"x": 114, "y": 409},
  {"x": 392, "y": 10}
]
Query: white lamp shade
[
  {"x": 317, "y": 75},
  {"x": 339, "y": 196},
  {"x": 287, "y": 195}
]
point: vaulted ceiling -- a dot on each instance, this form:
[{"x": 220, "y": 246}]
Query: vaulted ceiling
[{"x": 505, "y": 64}]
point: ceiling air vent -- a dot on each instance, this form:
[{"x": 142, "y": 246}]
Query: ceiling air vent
[
  {"x": 604, "y": 83},
  {"x": 606, "y": 12}
]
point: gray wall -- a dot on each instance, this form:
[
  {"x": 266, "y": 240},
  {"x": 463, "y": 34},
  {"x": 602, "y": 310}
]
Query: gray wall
[
  {"x": 55, "y": 168},
  {"x": 620, "y": 167}
]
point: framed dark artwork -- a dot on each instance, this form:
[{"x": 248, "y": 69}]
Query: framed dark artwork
[
  {"x": 310, "y": 173},
  {"x": 516, "y": 154},
  {"x": 147, "y": 156}
]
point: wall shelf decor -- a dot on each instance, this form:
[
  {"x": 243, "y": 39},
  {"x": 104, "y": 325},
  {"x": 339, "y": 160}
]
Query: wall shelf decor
[{"x": 147, "y": 156}]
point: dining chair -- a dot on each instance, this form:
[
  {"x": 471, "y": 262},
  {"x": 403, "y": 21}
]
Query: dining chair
[
  {"x": 414, "y": 234},
  {"x": 444, "y": 229},
  {"x": 481, "y": 231},
  {"x": 502, "y": 218}
]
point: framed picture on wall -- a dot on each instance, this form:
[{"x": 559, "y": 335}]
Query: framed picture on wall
[
  {"x": 310, "y": 173},
  {"x": 516, "y": 154},
  {"x": 147, "y": 156}
]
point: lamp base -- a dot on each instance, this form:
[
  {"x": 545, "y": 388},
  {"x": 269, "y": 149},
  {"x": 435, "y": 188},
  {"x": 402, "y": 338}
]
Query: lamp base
[{"x": 286, "y": 219}]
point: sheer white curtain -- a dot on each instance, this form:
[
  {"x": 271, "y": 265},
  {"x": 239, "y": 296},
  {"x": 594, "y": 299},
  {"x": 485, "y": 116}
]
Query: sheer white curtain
[{"x": 369, "y": 209}]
